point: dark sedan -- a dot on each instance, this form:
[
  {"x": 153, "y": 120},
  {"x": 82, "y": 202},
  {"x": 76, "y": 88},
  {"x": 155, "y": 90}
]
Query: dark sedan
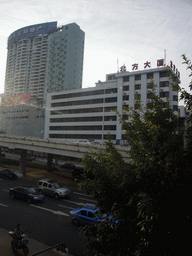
[
  {"x": 30, "y": 158},
  {"x": 66, "y": 167},
  {"x": 7, "y": 174},
  {"x": 31, "y": 195},
  {"x": 77, "y": 172}
]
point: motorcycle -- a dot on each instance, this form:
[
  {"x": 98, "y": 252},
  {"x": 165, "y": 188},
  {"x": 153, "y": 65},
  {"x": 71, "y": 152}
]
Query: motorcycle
[{"x": 20, "y": 244}]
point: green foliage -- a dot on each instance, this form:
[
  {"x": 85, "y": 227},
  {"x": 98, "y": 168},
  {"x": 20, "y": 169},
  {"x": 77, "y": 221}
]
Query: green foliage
[
  {"x": 184, "y": 94},
  {"x": 150, "y": 195},
  {"x": 151, "y": 132},
  {"x": 110, "y": 185}
]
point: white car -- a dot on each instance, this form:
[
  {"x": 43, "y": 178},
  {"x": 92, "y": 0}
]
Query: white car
[
  {"x": 52, "y": 188},
  {"x": 82, "y": 142}
]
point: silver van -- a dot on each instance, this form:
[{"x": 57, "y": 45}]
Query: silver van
[{"x": 53, "y": 188}]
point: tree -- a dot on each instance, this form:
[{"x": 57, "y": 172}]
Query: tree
[
  {"x": 187, "y": 98},
  {"x": 185, "y": 95},
  {"x": 149, "y": 195}
]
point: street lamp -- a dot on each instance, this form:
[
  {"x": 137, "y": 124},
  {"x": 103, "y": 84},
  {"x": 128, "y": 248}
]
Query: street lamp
[{"x": 103, "y": 118}]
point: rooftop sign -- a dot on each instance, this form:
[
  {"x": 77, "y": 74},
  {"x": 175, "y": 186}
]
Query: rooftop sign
[
  {"x": 31, "y": 31},
  {"x": 147, "y": 64}
]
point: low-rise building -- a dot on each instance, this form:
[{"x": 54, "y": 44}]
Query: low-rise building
[{"x": 23, "y": 120}]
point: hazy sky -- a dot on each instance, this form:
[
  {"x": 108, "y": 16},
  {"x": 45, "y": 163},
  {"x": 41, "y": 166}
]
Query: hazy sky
[{"x": 130, "y": 31}]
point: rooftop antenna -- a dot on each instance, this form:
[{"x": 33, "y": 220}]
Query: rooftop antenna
[
  {"x": 117, "y": 66},
  {"x": 164, "y": 57}
]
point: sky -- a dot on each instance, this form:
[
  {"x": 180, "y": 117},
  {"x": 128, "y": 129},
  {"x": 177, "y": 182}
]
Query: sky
[{"x": 116, "y": 32}]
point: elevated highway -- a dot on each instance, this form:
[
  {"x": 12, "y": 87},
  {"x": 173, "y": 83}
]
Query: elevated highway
[{"x": 51, "y": 147}]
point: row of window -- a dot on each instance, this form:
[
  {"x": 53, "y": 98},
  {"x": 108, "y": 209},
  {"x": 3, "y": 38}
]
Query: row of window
[
  {"x": 14, "y": 111},
  {"x": 83, "y": 128},
  {"x": 161, "y": 95},
  {"x": 138, "y": 86},
  {"x": 82, "y": 94},
  {"x": 164, "y": 105},
  {"x": 138, "y": 77},
  {"x": 82, "y": 136},
  {"x": 82, "y": 110},
  {"x": 84, "y": 102},
  {"x": 17, "y": 117},
  {"x": 83, "y": 119}
]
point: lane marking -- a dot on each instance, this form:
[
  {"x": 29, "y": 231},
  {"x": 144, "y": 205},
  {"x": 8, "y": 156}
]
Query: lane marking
[
  {"x": 52, "y": 211},
  {"x": 65, "y": 206},
  {"x": 73, "y": 202},
  {"x": 5, "y": 190},
  {"x": 4, "y": 205},
  {"x": 88, "y": 200}
]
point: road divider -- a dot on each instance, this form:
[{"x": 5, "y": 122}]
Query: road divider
[
  {"x": 73, "y": 202},
  {"x": 4, "y": 205},
  {"x": 65, "y": 206}
]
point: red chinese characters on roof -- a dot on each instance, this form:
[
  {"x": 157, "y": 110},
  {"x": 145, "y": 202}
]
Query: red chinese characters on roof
[
  {"x": 123, "y": 68},
  {"x": 147, "y": 64},
  {"x": 135, "y": 66},
  {"x": 160, "y": 62}
]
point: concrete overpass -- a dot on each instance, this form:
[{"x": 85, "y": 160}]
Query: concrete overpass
[{"x": 51, "y": 147}]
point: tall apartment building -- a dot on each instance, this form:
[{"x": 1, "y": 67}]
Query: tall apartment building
[
  {"x": 90, "y": 113},
  {"x": 44, "y": 57},
  {"x": 65, "y": 59}
]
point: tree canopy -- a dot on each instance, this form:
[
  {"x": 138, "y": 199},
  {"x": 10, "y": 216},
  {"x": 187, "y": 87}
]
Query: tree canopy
[{"x": 151, "y": 194}]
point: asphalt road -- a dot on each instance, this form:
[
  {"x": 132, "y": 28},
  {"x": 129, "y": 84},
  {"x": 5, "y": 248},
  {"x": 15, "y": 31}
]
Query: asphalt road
[{"x": 48, "y": 222}]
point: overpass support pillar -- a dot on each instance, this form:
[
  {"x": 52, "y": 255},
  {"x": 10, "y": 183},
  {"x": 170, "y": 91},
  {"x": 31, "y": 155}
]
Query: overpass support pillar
[
  {"x": 23, "y": 161},
  {"x": 49, "y": 162}
]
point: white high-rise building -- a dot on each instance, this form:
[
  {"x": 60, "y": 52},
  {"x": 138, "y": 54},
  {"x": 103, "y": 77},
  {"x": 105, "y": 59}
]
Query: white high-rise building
[
  {"x": 44, "y": 57},
  {"x": 90, "y": 113}
]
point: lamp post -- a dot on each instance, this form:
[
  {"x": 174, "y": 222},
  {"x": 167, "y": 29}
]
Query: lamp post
[{"x": 103, "y": 118}]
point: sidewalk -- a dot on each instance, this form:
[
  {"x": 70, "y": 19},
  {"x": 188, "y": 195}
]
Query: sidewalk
[{"x": 34, "y": 246}]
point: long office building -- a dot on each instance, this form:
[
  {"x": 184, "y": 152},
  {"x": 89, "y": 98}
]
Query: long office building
[
  {"x": 44, "y": 58},
  {"x": 90, "y": 113}
]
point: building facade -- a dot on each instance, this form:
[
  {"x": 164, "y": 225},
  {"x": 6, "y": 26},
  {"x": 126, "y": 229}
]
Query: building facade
[
  {"x": 41, "y": 58},
  {"x": 28, "y": 121},
  {"x": 43, "y": 55},
  {"x": 65, "y": 59},
  {"x": 91, "y": 113}
]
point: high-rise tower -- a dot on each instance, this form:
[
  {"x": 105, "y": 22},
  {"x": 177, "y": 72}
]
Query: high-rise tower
[
  {"x": 65, "y": 59},
  {"x": 43, "y": 58}
]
